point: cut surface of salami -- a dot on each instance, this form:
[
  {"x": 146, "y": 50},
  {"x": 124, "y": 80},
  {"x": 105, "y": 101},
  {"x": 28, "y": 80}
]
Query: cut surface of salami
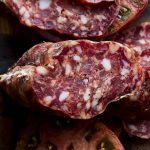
[
  {"x": 78, "y": 78},
  {"x": 129, "y": 11},
  {"x": 138, "y": 38},
  {"x": 140, "y": 129},
  {"x": 66, "y": 135},
  {"x": 65, "y": 17}
]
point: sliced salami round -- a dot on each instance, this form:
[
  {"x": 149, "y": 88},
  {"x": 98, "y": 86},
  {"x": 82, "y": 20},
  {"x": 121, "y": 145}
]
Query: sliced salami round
[
  {"x": 129, "y": 11},
  {"x": 65, "y": 17},
  {"x": 63, "y": 135},
  {"x": 93, "y": 1},
  {"x": 138, "y": 39},
  {"x": 140, "y": 129},
  {"x": 78, "y": 78}
]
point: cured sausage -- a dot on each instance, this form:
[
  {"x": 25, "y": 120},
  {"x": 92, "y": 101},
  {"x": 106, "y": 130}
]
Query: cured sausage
[
  {"x": 140, "y": 129},
  {"x": 93, "y": 1},
  {"x": 78, "y": 78},
  {"x": 137, "y": 38},
  {"x": 65, "y": 17},
  {"x": 66, "y": 135},
  {"x": 129, "y": 11}
]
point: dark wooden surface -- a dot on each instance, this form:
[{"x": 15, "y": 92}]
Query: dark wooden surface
[{"x": 15, "y": 39}]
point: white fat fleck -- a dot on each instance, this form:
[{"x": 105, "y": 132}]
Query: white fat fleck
[
  {"x": 67, "y": 13},
  {"x": 79, "y": 105},
  {"x": 87, "y": 94},
  {"x": 98, "y": 94},
  {"x": 142, "y": 41},
  {"x": 63, "y": 95},
  {"x": 124, "y": 71},
  {"x": 113, "y": 47},
  {"x": 146, "y": 58},
  {"x": 44, "y": 4},
  {"x": 23, "y": 11},
  {"x": 137, "y": 49},
  {"x": 79, "y": 49},
  {"x": 78, "y": 67},
  {"x": 142, "y": 33},
  {"x": 61, "y": 19},
  {"x": 88, "y": 105},
  {"x": 76, "y": 58},
  {"x": 48, "y": 99},
  {"x": 41, "y": 70},
  {"x": 86, "y": 81},
  {"x": 68, "y": 69},
  {"x": 94, "y": 103},
  {"x": 95, "y": 84},
  {"x": 64, "y": 108},
  {"x": 59, "y": 9},
  {"x": 84, "y": 19},
  {"x": 132, "y": 127},
  {"x": 106, "y": 64},
  {"x": 100, "y": 107}
]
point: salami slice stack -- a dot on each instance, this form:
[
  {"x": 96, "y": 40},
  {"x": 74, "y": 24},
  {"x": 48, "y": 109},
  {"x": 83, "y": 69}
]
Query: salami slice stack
[
  {"x": 77, "y": 78},
  {"x": 77, "y": 18}
]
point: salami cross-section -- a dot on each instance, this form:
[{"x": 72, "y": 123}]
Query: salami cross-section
[
  {"x": 45, "y": 134},
  {"x": 140, "y": 129},
  {"x": 66, "y": 17},
  {"x": 129, "y": 10},
  {"x": 137, "y": 106},
  {"x": 77, "y": 78}
]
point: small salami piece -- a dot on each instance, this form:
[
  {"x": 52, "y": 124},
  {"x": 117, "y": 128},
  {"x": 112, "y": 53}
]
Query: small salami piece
[
  {"x": 66, "y": 135},
  {"x": 78, "y": 78},
  {"x": 140, "y": 129},
  {"x": 138, "y": 39},
  {"x": 65, "y": 17},
  {"x": 129, "y": 11},
  {"x": 94, "y": 1}
]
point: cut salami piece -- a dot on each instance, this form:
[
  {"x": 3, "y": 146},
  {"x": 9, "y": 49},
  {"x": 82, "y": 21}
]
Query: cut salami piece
[
  {"x": 65, "y": 17},
  {"x": 94, "y": 1},
  {"x": 78, "y": 78},
  {"x": 140, "y": 129},
  {"x": 129, "y": 11},
  {"x": 138, "y": 38},
  {"x": 66, "y": 135}
]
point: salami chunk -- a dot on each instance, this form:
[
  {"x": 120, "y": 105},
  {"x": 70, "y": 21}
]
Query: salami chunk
[
  {"x": 93, "y": 1},
  {"x": 129, "y": 11},
  {"x": 140, "y": 129},
  {"x": 78, "y": 78},
  {"x": 65, "y": 17},
  {"x": 66, "y": 135},
  {"x": 138, "y": 39}
]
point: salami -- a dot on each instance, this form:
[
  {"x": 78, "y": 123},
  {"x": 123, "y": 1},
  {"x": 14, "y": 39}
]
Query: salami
[
  {"x": 65, "y": 17},
  {"x": 140, "y": 129},
  {"x": 63, "y": 135},
  {"x": 93, "y": 1},
  {"x": 78, "y": 78},
  {"x": 129, "y": 11},
  {"x": 138, "y": 38}
]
